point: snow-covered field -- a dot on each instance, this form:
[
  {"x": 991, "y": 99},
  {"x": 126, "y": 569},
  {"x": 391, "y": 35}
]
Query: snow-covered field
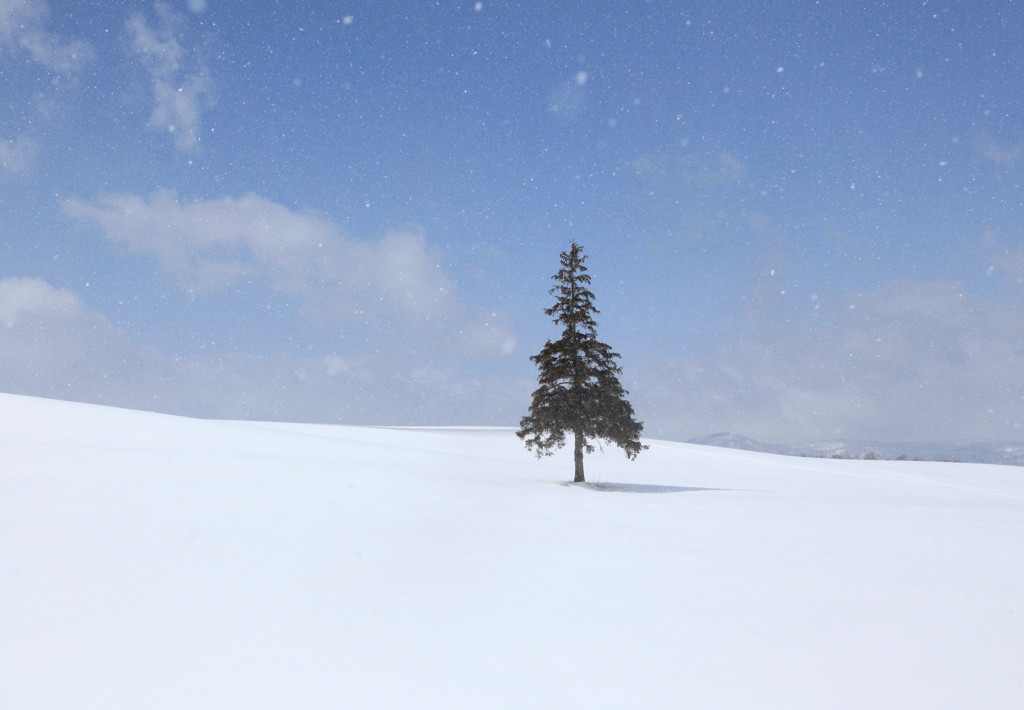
[{"x": 149, "y": 561}]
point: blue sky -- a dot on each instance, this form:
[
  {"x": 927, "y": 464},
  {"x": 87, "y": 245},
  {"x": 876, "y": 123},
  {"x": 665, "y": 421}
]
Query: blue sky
[{"x": 803, "y": 218}]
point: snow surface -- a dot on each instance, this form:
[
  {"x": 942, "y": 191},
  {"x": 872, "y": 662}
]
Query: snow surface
[{"x": 150, "y": 561}]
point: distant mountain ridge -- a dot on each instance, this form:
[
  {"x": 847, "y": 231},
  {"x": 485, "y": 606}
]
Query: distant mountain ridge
[{"x": 995, "y": 452}]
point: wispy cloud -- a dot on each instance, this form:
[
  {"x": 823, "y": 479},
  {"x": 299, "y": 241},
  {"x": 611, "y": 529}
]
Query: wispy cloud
[
  {"x": 23, "y": 33},
  {"x": 53, "y": 344},
  {"x": 207, "y": 245},
  {"x": 909, "y": 361},
  {"x": 23, "y": 27},
  {"x": 180, "y": 80}
]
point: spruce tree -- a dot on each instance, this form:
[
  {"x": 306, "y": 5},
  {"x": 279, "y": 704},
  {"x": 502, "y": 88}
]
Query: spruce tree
[{"x": 579, "y": 389}]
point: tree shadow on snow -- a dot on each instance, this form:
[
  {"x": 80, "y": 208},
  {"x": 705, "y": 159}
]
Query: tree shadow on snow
[{"x": 609, "y": 487}]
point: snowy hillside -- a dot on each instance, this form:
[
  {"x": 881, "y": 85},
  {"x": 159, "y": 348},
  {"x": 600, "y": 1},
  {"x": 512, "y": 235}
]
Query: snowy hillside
[
  {"x": 1008, "y": 453},
  {"x": 149, "y": 561}
]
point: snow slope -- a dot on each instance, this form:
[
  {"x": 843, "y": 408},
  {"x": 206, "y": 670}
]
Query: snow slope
[
  {"x": 149, "y": 561},
  {"x": 1010, "y": 453}
]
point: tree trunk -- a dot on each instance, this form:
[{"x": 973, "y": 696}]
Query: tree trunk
[{"x": 578, "y": 457}]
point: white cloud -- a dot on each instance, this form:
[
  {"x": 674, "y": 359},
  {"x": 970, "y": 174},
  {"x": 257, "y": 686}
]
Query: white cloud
[
  {"x": 486, "y": 335},
  {"x": 206, "y": 245},
  {"x": 23, "y": 33},
  {"x": 403, "y": 272},
  {"x": 911, "y": 361},
  {"x": 53, "y": 345},
  {"x": 22, "y": 297},
  {"x": 23, "y": 26},
  {"x": 180, "y": 80},
  {"x": 210, "y": 245}
]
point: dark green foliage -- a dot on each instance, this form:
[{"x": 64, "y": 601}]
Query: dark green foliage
[{"x": 579, "y": 389}]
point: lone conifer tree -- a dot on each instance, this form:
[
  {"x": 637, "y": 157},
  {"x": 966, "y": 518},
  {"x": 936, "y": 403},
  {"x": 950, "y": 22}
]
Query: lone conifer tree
[{"x": 579, "y": 385}]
